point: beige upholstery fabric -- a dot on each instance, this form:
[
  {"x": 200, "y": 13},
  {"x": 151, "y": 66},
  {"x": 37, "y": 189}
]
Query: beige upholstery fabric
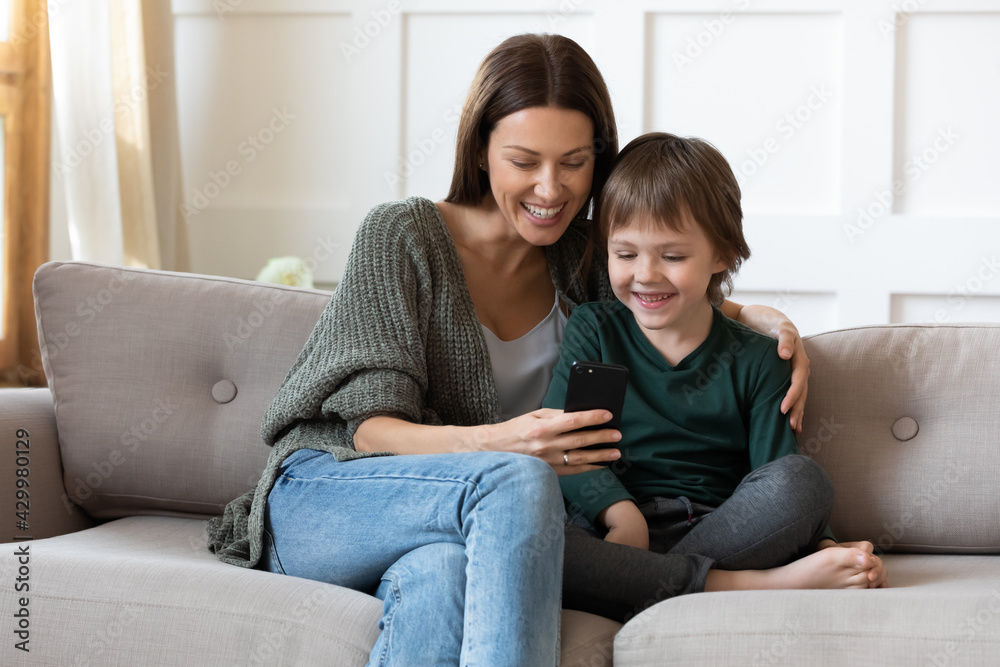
[
  {"x": 871, "y": 388},
  {"x": 587, "y": 640},
  {"x": 145, "y": 591},
  {"x": 132, "y": 358},
  {"x": 940, "y": 610}
]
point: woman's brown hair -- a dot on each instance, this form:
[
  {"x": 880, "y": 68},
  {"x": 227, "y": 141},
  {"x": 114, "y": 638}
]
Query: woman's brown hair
[
  {"x": 660, "y": 177},
  {"x": 527, "y": 71}
]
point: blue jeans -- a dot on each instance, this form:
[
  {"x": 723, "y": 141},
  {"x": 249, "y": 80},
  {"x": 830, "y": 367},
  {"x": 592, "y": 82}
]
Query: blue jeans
[{"x": 464, "y": 550}]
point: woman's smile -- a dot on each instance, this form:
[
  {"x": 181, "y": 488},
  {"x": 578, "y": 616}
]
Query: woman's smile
[
  {"x": 542, "y": 213},
  {"x": 541, "y": 168}
]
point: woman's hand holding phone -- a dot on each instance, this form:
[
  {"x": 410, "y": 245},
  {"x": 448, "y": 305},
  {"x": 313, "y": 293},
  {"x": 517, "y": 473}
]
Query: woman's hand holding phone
[
  {"x": 571, "y": 442},
  {"x": 594, "y": 385},
  {"x": 575, "y": 439}
]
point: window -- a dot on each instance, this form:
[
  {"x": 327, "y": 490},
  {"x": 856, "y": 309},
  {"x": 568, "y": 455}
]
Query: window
[{"x": 24, "y": 180}]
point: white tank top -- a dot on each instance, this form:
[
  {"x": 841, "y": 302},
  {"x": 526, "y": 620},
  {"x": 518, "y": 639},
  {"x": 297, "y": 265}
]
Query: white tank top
[{"x": 522, "y": 368}]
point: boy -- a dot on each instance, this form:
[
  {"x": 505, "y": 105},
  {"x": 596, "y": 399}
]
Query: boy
[{"x": 710, "y": 465}]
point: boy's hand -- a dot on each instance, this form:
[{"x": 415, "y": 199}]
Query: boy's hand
[
  {"x": 878, "y": 575},
  {"x": 625, "y": 524}
]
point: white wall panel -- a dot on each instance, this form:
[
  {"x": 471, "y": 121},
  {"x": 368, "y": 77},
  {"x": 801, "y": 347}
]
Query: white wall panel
[
  {"x": 766, "y": 89},
  {"x": 953, "y": 307},
  {"x": 246, "y": 74},
  {"x": 264, "y": 137},
  {"x": 831, "y": 245},
  {"x": 812, "y": 312},
  {"x": 948, "y": 104}
]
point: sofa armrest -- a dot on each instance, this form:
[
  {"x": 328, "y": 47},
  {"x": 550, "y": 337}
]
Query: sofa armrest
[{"x": 29, "y": 450}]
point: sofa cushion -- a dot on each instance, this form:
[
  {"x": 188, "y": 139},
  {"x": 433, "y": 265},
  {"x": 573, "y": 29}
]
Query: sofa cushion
[
  {"x": 146, "y": 591},
  {"x": 160, "y": 379},
  {"x": 906, "y": 421},
  {"x": 940, "y": 610}
]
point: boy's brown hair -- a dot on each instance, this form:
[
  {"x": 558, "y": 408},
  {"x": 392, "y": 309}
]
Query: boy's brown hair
[{"x": 661, "y": 176}]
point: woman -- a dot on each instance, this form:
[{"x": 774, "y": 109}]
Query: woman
[{"x": 440, "y": 341}]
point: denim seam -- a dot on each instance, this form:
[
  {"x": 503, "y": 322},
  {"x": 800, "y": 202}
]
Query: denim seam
[
  {"x": 367, "y": 478},
  {"x": 274, "y": 552},
  {"x": 470, "y": 604},
  {"x": 387, "y": 618}
]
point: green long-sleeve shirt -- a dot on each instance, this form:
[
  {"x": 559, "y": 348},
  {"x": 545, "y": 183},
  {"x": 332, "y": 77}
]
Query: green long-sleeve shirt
[{"x": 694, "y": 429}]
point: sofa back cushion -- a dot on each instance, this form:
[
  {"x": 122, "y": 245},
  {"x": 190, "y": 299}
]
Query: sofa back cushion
[
  {"x": 906, "y": 420},
  {"x": 160, "y": 380}
]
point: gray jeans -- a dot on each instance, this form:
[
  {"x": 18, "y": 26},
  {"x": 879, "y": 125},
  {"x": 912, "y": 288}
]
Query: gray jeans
[{"x": 775, "y": 515}]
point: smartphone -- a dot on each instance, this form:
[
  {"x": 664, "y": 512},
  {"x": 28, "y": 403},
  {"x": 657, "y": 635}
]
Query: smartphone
[{"x": 594, "y": 385}]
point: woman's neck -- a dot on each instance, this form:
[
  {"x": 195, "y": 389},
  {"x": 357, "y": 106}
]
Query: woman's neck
[
  {"x": 508, "y": 278},
  {"x": 484, "y": 232}
]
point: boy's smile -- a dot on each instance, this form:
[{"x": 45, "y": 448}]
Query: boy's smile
[
  {"x": 662, "y": 276},
  {"x": 652, "y": 300}
]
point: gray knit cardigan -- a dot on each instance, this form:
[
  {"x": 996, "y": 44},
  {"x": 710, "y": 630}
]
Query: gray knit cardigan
[{"x": 399, "y": 337}]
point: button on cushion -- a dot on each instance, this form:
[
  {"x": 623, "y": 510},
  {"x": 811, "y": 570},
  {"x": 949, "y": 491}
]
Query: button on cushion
[
  {"x": 224, "y": 391},
  {"x": 905, "y": 428}
]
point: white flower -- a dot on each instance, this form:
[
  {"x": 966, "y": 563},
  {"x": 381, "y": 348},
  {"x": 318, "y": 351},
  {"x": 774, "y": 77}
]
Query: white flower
[{"x": 291, "y": 271}]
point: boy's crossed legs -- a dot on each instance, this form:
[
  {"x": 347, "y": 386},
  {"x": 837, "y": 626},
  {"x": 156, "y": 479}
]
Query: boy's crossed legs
[
  {"x": 765, "y": 534},
  {"x": 761, "y": 537}
]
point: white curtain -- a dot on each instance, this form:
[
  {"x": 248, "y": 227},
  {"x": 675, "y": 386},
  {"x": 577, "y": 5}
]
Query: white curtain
[{"x": 115, "y": 109}]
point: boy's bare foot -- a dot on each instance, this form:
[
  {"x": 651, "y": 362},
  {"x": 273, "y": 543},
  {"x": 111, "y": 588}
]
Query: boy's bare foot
[{"x": 828, "y": 568}]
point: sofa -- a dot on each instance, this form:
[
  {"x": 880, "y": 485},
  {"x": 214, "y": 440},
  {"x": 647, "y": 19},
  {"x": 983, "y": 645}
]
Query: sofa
[{"x": 149, "y": 426}]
